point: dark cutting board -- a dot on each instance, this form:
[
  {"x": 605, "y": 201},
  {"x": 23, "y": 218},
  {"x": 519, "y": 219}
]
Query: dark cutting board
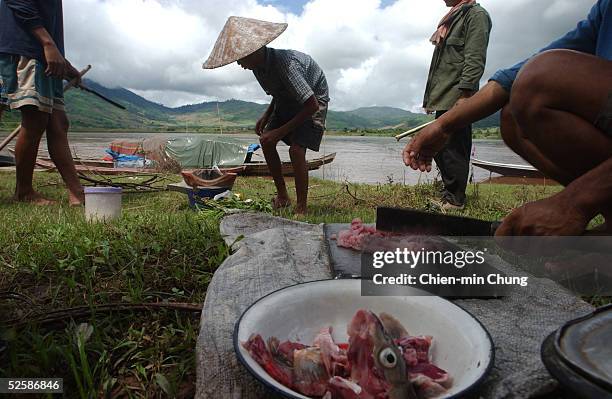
[{"x": 345, "y": 263}]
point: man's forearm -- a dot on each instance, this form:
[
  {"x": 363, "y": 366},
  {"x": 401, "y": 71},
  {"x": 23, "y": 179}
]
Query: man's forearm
[
  {"x": 591, "y": 193},
  {"x": 490, "y": 99},
  {"x": 43, "y": 37}
]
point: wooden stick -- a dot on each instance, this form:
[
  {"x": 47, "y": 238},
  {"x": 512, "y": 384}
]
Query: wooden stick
[
  {"x": 95, "y": 93},
  {"x": 67, "y": 86},
  {"x": 413, "y": 131}
]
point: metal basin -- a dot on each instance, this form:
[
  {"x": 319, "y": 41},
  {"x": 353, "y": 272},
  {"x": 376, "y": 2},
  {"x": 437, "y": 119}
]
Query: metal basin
[{"x": 462, "y": 346}]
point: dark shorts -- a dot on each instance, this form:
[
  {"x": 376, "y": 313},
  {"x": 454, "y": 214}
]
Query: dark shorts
[
  {"x": 309, "y": 134},
  {"x": 604, "y": 120}
]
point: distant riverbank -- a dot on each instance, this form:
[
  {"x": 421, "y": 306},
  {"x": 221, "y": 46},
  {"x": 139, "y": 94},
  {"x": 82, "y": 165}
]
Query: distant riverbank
[{"x": 488, "y": 133}]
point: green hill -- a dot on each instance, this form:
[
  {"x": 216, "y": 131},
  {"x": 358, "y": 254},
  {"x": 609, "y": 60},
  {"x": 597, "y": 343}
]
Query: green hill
[{"x": 88, "y": 112}]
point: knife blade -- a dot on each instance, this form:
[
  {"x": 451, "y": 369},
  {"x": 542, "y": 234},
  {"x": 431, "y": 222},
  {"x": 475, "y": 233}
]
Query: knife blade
[{"x": 411, "y": 221}]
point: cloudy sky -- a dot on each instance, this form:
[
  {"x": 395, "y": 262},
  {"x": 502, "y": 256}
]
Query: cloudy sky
[{"x": 374, "y": 52}]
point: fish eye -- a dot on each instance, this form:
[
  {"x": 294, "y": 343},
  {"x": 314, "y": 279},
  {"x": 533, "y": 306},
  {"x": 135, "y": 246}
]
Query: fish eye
[{"x": 387, "y": 358}]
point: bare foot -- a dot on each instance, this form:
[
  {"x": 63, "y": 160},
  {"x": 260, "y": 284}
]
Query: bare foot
[
  {"x": 300, "y": 210},
  {"x": 34, "y": 198},
  {"x": 280, "y": 202},
  {"x": 76, "y": 200}
]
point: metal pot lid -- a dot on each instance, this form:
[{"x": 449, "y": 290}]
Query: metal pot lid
[
  {"x": 585, "y": 346},
  {"x": 567, "y": 376}
]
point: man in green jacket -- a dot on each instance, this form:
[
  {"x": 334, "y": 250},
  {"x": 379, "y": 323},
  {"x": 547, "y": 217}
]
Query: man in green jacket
[{"x": 458, "y": 63}]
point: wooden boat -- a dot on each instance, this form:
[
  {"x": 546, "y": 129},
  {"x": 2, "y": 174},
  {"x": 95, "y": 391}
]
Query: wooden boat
[
  {"x": 209, "y": 178},
  {"x": 49, "y": 165},
  {"x": 261, "y": 168},
  {"x": 98, "y": 163},
  {"x": 6, "y": 160},
  {"x": 509, "y": 170},
  {"x": 247, "y": 169}
]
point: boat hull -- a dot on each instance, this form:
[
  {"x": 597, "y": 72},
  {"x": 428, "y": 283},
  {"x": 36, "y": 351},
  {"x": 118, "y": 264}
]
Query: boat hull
[
  {"x": 261, "y": 168},
  {"x": 247, "y": 169},
  {"x": 509, "y": 170}
]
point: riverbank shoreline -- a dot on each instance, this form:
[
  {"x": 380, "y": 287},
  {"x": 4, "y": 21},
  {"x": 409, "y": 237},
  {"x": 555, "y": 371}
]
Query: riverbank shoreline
[{"x": 488, "y": 134}]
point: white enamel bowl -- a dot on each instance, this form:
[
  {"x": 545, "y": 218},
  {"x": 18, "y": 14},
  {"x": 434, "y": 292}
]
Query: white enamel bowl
[{"x": 462, "y": 346}]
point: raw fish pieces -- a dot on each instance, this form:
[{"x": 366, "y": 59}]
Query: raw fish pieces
[{"x": 381, "y": 361}]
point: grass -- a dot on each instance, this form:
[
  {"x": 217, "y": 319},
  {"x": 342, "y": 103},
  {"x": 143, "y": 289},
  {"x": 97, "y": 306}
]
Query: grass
[
  {"x": 332, "y": 202},
  {"x": 159, "y": 251}
]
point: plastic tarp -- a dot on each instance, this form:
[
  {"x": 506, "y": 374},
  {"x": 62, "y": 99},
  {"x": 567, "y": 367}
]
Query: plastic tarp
[
  {"x": 202, "y": 152},
  {"x": 275, "y": 253},
  {"x": 188, "y": 151}
]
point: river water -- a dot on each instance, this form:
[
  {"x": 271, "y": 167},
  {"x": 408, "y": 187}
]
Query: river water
[{"x": 358, "y": 159}]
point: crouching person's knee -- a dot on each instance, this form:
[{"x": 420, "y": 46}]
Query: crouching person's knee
[
  {"x": 534, "y": 84},
  {"x": 508, "y": 128}
]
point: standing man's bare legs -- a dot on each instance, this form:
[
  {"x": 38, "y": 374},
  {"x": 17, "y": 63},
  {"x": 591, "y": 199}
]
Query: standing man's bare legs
[
  {"x": 300, "y": 170},
  {"x": 33, "y": 125},
  {"x": 274, "y": 164},
  {"x": 57, "y": 142}
]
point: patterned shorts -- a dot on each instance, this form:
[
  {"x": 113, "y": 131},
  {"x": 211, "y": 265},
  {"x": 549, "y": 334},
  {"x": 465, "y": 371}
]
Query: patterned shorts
[
  {"x": 23, "y": 82},
  {"x": 604, "y": 120},
  {"x": 309, "y": 134}
]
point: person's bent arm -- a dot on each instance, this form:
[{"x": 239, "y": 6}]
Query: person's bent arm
[
  {"x": 592, "y": 191},
  {"x": 263, "y": 121},
  {"x": 567, "y": 213},
  {"x": 26, "y": 13},
  {"x": 419, "y": 152},
  {"x": 56, "y": 63},
  {"x": 309, "y": 108}
]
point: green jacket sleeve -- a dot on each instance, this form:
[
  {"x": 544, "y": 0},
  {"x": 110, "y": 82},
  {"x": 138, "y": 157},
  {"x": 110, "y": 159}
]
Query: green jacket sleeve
[{"x": 478, "y": 28}]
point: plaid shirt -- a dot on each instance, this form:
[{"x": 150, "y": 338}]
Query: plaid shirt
[{"x": 291, "y": 76}]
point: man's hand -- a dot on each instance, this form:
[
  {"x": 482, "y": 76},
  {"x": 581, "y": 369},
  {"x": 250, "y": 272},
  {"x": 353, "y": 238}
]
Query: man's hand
[
  {"x": 56, "y": 63},
  {"x": 270, "y": 137},
  {"x": 420, "y": 151},
  {"x": 554, "y": 216},
  {"x": 261, "y": 124},
  {"x": 72, "y": 73}
]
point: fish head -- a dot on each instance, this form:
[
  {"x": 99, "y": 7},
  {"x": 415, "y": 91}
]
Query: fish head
[{"x": 387, "y": 355}]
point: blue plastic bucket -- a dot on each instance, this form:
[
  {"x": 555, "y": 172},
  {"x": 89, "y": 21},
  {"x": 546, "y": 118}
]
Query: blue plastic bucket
[{"x": 195, "y": 195}]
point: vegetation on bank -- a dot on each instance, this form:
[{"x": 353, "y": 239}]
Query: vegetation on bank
[
  {"x": 485, "y": 134},
  {"x": 160, "y": 251}
]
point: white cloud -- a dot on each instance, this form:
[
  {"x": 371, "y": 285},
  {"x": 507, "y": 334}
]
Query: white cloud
[{"x": 371, "y": 55}]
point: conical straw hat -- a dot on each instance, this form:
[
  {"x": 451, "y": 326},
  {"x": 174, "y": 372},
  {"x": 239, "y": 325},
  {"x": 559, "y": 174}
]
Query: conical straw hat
[{"x": 241, "y": 37}]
